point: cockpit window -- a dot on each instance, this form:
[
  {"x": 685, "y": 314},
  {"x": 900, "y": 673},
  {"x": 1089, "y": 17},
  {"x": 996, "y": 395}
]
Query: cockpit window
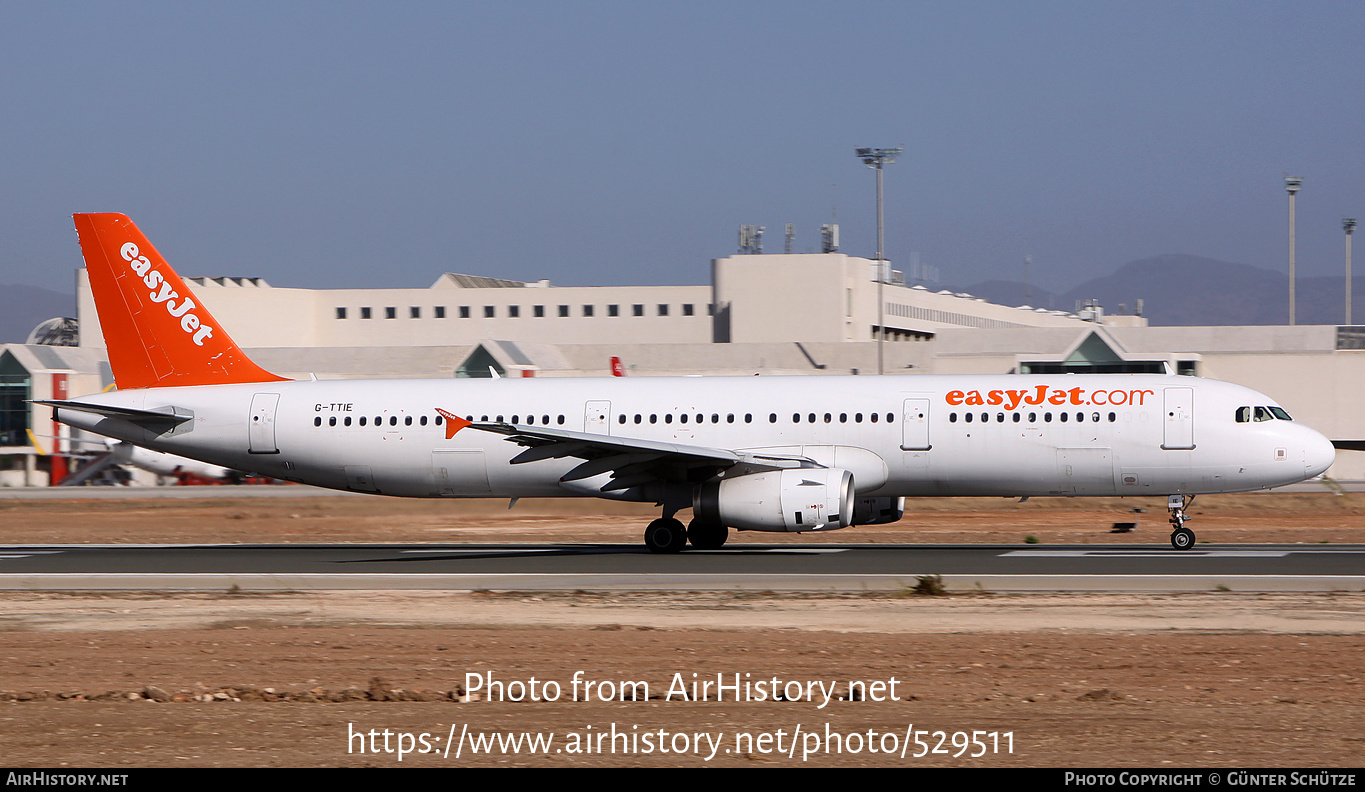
[{"x": 1248, "y": 414}]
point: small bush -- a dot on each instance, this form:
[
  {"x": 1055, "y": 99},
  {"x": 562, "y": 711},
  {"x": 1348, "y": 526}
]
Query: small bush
[{"x": 929, "y": 586}]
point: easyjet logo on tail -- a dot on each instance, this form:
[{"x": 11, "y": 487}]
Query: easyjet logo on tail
[
  {"x": 153, "y": 279},
  {"x": 1041, "y": 394}
]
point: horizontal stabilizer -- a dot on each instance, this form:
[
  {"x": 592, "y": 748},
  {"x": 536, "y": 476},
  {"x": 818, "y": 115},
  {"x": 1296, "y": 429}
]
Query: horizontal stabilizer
[{"x": 166, "y": 416}]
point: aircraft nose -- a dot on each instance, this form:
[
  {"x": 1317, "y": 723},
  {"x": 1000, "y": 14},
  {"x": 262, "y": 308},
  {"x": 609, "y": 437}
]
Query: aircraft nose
[{"x": 1318, "y": 455}]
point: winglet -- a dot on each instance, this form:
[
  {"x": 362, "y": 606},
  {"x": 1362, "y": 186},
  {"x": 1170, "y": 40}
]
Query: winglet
[
  {"x": 156, "y": 333},
  {"x": 454, "y": 423}
]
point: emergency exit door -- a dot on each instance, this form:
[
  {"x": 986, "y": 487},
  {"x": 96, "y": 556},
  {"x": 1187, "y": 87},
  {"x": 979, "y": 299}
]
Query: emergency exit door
[{"x": 261, "y": 431}]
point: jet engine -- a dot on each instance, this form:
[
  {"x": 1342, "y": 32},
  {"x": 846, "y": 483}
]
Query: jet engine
[{"x": 800, "y": 499}]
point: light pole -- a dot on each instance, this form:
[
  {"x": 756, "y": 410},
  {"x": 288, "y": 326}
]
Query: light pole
[
  {"x": 1292, "y": 185},
  {"x": 1348, "y": 225},
  {"x": 876, "y": 158}
]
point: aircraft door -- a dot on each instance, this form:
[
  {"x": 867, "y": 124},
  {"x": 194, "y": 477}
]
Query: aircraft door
[
  {"x": 1179, "y": 418},
  {"x": 597, "y": 417},
  {"x": 261, "y": 431},
  {"x": 915, "y": 425}
]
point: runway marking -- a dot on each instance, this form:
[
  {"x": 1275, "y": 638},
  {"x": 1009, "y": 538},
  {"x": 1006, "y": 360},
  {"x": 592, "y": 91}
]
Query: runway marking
[
  {"x": 485, "y": 551},
  {"x": 732, "y": 551},
  {"x": 1153, "y": 553}
]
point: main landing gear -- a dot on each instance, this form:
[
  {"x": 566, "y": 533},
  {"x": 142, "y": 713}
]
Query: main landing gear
[
  {"x": 667, "y": 535},
  {"x": 1182, "y": 538}
]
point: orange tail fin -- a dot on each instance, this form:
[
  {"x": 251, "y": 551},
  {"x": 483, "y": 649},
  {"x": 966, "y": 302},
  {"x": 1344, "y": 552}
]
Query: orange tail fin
[{"x": 158, "y": 335}]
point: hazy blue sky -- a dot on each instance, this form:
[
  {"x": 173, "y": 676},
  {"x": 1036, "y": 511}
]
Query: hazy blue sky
[{"x": 597, "y": 143}]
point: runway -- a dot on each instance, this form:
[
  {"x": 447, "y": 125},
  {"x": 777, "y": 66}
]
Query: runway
[{"x": 814, "y": 567}]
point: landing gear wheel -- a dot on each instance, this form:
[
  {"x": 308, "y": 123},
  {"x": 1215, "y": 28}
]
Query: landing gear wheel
[
  {"x": 707, "y": 535},
  {"x": 1182, "y": 539},
  {"x": 665, "y": 535}
]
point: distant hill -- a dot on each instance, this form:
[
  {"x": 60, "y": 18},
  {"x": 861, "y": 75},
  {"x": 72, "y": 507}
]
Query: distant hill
[
  {"x": 1177, "y": 289},
  {"x": 23, "y": 307}
]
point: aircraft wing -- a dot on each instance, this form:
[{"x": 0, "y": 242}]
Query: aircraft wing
[{"x": 633, "y": 461}]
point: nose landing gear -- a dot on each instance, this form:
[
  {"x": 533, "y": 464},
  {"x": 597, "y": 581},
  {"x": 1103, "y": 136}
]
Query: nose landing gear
[{"x": 1182, "y": 538}]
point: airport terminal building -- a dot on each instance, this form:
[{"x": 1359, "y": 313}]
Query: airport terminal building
[{"x": 806, "y": 314}]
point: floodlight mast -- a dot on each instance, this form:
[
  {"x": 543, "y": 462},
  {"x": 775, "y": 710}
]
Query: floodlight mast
[
  {"x": 1292, "y": 185},
  {"x": 1348, "y": 224},
  {"x": 876, "y": 158}
]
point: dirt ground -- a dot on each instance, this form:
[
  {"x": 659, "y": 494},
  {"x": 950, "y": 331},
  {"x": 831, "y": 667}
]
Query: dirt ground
[
  {"x": 316, "y": 678},
  {"x": 1242, "y": 519}
]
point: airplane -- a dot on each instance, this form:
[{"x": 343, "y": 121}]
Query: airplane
[
  {"x": 122, "y": 452},
  {"x": 771, "y": 453}
]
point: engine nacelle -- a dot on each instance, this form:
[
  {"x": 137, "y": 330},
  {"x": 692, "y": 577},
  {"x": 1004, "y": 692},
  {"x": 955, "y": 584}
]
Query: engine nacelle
[
  {"x": 801, "y": 499},
  {"x": 877, "y": 511}
]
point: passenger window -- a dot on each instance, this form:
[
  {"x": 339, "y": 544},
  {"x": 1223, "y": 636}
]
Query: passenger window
[
  {"x": 999, "y": 417},
  {"x": 332, "y": 421},
  {"x": 317, "y": 421},
  {"x": 968, "y": 417},
  {"x": 1016, "y": 417},
  {"x": 1063, "y": 417},
  {"x": 952, "y": 417},
  {"x": 346, "y": 421}
]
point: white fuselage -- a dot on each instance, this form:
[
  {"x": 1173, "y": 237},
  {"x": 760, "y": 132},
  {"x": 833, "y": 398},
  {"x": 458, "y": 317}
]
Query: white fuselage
[{"x": 902, "y": 435}]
